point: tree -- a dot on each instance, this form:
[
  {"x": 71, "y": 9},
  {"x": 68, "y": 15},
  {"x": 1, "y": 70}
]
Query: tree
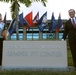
[{"x": 15, "y": 9}]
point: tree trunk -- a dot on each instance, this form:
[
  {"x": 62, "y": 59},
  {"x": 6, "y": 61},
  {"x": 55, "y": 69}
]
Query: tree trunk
[
  {"x": 17, "y": 19},
  {"x": 24, "y": 33}
]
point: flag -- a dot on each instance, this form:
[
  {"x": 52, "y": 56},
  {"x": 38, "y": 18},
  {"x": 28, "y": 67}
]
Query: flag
[
  {"x": 12, "y": 27},
  {"x": 25, "y": 21},
  {"x": 52, "y": 24},
  {"x": 28, "y": 18},
  {"x": 36, "y": 19},
  {"x": 59, "y": 24},
  {"x": 4, "y": 19},
  {"x": 43, "y": 22},
  {"x": 21, "y": 19}
]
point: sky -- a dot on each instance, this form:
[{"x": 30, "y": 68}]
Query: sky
[{"x": 56, "y": 6}]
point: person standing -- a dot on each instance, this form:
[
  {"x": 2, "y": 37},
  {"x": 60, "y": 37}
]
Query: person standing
[
  {"x": 1, "y": 38},
  {"x": 70, "y": 33}
]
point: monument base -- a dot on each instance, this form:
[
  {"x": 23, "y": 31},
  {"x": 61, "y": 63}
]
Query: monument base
[{"x": 34, "y": 54}]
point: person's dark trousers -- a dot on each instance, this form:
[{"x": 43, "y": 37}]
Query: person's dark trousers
[
  {"x": 73, "y": 51},
  {"x": 1, "y": 50}
]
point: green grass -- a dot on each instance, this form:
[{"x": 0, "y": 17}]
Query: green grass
[
  {"x": 70, "y": 60},
  {"x": 42, "y": 72},
  {"x": 37, "y": 73}
]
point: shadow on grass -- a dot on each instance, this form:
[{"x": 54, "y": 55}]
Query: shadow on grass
[{"x": 70, "y": 60}]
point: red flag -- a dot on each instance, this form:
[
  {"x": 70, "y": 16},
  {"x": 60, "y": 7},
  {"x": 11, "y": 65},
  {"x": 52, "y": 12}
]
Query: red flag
[{"x": 28, "y": 18}]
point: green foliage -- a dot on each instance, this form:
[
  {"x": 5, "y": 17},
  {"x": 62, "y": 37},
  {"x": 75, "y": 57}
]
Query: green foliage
[
  {"x": 26, "y": 2},
  {"x": 7, "y": 0},
  {"x": 13, "y": 8}
]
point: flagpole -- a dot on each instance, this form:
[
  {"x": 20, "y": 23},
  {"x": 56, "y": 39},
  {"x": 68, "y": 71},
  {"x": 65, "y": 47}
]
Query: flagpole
[
  {"x": 17, "y": 19},
  {"x": 6, "y": 36},
  {"x": 57, "y": 35},
  {"x": 24, "y": 32},
  {"x": 58, "y": 26},
  {"x": 40, "y": 35},
  {"x": 7, "y": 32}
]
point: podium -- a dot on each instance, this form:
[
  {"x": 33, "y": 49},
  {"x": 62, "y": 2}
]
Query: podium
[{"x": 34, "y": 54}]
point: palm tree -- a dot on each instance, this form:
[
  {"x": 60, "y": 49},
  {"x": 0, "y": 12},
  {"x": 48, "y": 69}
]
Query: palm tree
[{"x": 15, "y": 9}]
